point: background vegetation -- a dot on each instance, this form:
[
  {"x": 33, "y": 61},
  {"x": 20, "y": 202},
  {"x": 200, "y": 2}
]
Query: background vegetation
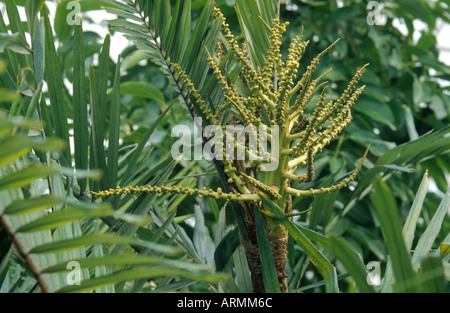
[{"x": 111, "y": 121}]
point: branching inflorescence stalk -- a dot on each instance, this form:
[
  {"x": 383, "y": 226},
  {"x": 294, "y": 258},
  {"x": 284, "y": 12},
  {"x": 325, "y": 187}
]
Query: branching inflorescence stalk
[{"x": 301, "y": 136}]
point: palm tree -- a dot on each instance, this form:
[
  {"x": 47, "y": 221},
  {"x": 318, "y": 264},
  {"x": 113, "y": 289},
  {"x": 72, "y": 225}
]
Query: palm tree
[{"x": 59, "y": 235}]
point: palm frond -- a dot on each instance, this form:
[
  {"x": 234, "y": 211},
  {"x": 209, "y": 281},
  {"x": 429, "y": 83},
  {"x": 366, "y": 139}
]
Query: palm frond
[
  {"x": 49, "y": 232},
  {"x": 167, "y": 38}
]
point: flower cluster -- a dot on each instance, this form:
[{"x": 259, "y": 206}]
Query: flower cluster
[{"x": 272, "y": 91}]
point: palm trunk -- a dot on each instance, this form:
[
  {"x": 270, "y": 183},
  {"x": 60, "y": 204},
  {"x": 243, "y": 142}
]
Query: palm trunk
[{"x": 278, "y": 237}]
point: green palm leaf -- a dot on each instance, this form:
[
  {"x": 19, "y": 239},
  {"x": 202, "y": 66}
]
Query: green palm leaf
[
  {"x": 30, "y": 223},
  {"x": 323, "y": 265}
]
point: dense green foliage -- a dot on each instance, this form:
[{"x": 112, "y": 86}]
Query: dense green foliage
[{"x": 109, "y": 124}]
